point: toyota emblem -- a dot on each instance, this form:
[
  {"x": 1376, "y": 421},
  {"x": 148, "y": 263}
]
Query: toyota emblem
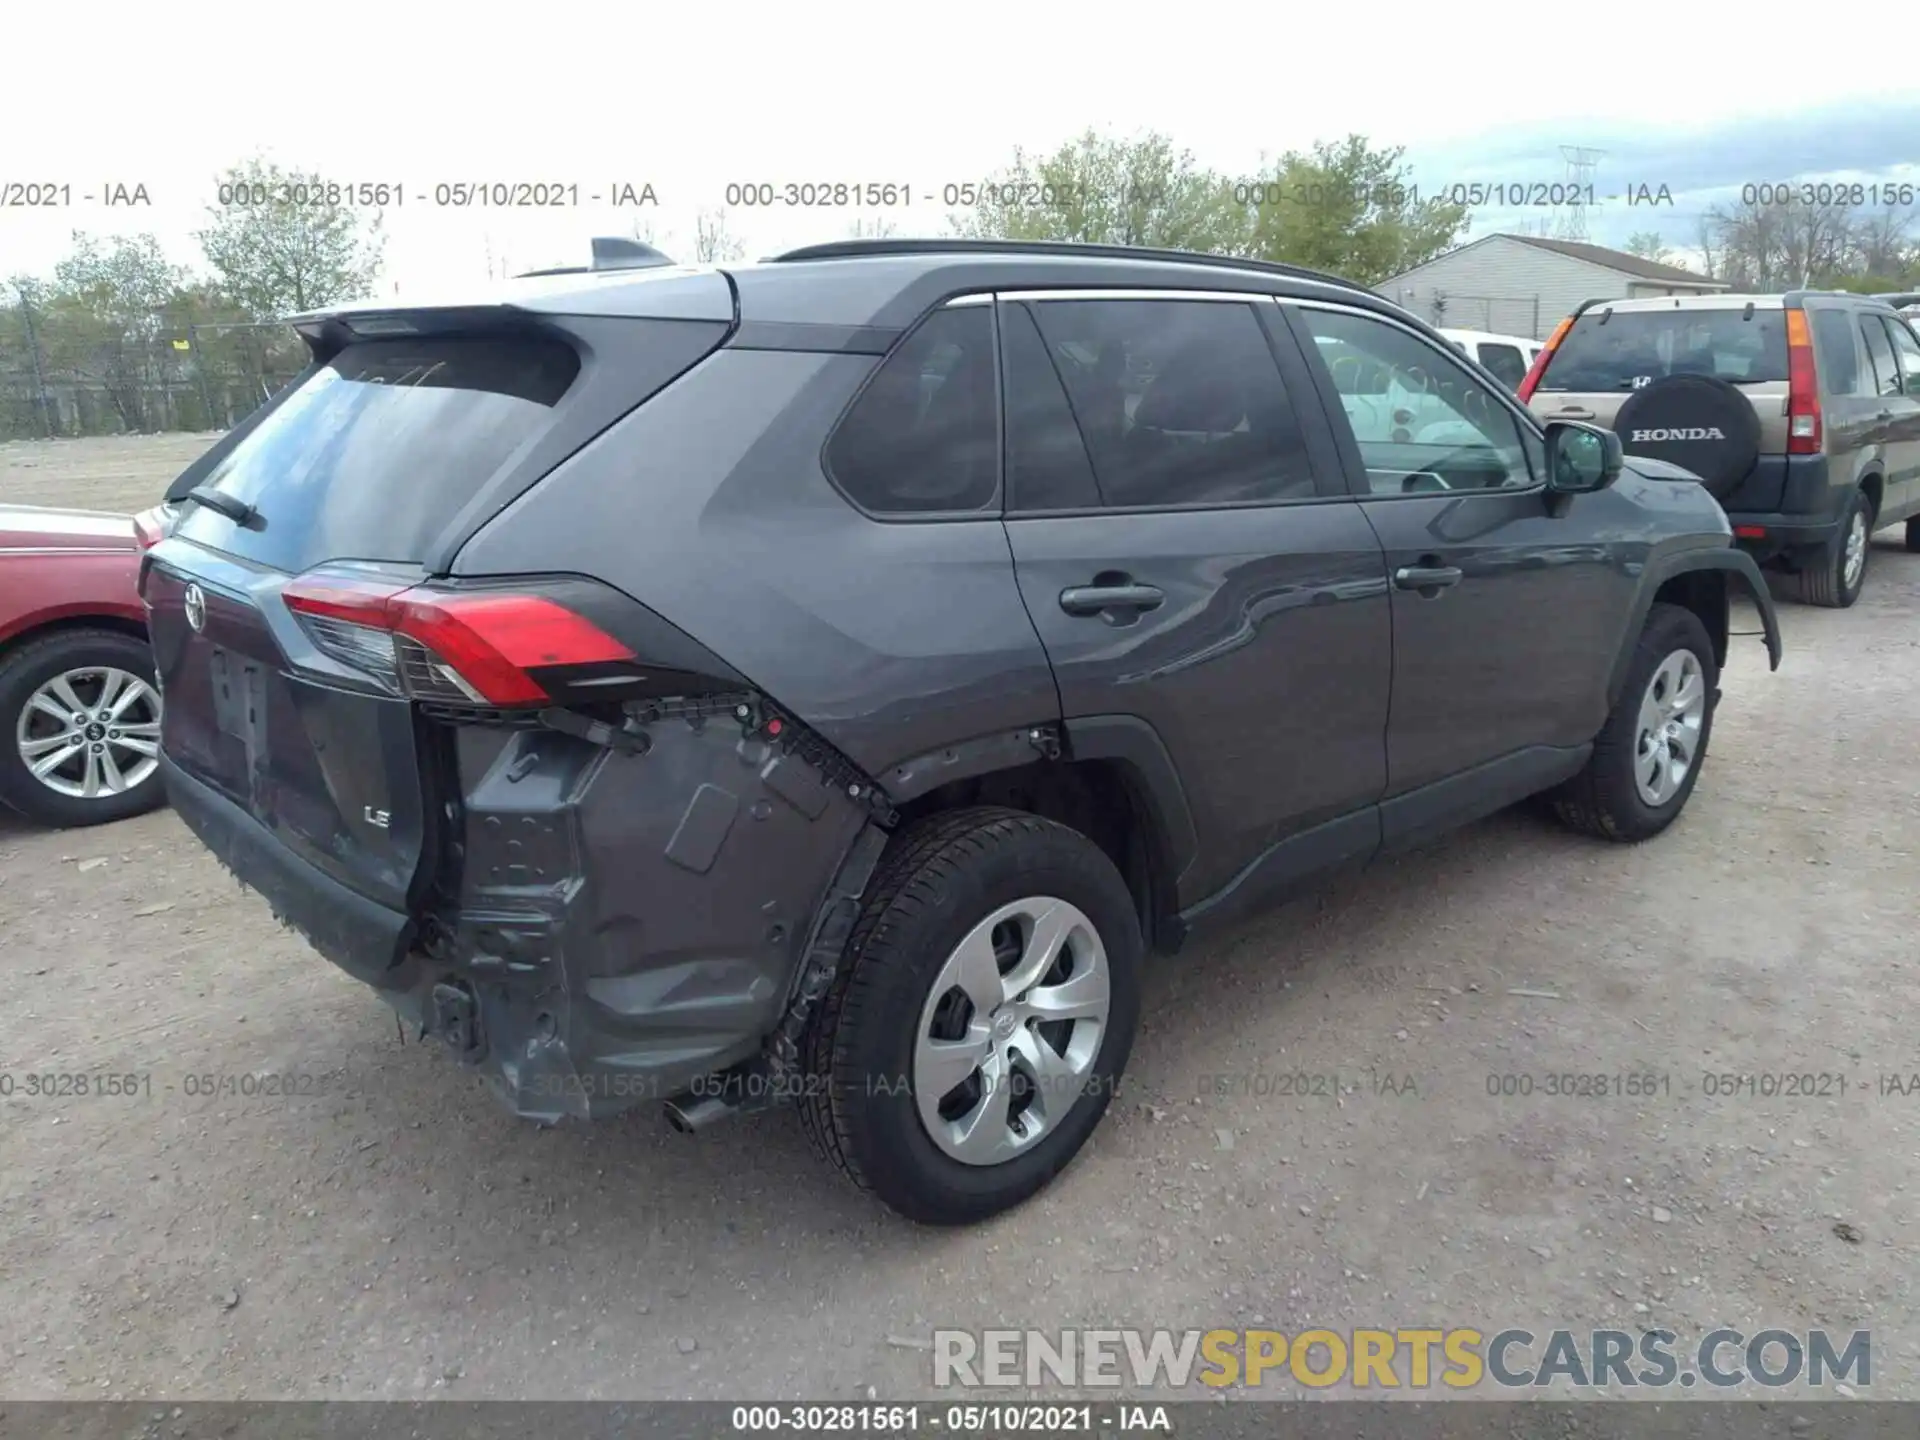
[{"x": 196, "y": 602}]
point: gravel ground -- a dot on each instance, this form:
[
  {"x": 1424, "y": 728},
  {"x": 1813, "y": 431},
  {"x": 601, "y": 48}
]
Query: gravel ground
[{"x": 388, "y": 1233}]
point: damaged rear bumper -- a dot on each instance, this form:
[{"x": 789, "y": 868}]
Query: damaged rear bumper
[{"x": 613, "y": 925}]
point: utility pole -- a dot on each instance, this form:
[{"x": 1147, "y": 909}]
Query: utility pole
[
  {"x": 39, "y": 376},
  {"x": 1580, "y": 167}
]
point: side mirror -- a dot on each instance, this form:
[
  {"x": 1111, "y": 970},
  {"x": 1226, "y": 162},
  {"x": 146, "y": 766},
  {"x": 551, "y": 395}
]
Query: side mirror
[{"x": 1581, "y": 458}]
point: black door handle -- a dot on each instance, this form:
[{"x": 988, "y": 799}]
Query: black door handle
[
  {"x": 1102, "y": 599},
  {"x": 1426, "y": 578}
]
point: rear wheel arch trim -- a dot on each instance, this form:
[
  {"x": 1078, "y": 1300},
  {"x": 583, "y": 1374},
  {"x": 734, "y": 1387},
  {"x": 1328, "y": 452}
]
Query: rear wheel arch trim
[
  {"x": 1734, "y": 563},
  {"x": 1135, "y": 743}
]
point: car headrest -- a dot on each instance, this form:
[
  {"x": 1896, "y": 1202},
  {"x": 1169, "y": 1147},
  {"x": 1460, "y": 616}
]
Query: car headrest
[{"x": 1191, "y": 392}]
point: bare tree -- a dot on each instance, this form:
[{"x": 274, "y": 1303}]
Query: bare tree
[
  {"x": 713, "y": 242},
  {"x": 1708, "y": 242},
  {"x": 1797, "y": 242},
  {"x": 876, "y": 227}
]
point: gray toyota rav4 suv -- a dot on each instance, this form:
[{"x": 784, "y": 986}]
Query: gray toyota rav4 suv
[{"x": 824, "y": 679}]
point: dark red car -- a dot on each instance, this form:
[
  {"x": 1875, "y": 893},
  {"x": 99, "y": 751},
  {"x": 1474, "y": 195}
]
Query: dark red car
[{"x": 79, "y": 712}]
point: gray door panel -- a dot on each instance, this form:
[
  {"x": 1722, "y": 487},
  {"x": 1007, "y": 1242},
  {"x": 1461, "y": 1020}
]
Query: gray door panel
[
  {"x": 1509, "y": 657},
  {"x": 1264, "y": 669}
]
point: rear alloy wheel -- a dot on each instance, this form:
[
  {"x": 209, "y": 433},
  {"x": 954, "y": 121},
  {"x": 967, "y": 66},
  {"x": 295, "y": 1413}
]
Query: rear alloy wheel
[
  {"x": 981, "y": 1019},
  {"x": 1011, "y": 1027},
  {"x": 81, "y": 722},
  {"x": 1835, "y": 575}
]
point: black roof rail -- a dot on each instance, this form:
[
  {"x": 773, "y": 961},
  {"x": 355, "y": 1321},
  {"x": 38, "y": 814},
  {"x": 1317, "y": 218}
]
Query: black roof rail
[
  {"x": 859, "y": 249},
  {"x": 1899, "y": 299},
  {"x": 610, "y": 252}
]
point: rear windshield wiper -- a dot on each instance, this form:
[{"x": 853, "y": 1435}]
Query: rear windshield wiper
[{"x": 221, "y": 503}]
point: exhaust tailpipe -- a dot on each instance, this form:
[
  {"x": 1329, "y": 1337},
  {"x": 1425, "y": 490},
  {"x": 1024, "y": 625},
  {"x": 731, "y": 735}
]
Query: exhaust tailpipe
[{"x": 688, "y": 1113}]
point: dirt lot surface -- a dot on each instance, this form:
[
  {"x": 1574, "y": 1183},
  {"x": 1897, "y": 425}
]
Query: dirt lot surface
[
  {"x": 388, "y": 1233},
  {"x": 122, "y": 472}
]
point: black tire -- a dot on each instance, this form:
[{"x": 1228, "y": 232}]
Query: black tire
[
  {"x": 25, "y": 670},
  {"x": 1913, "y": 536},
  {"x": 1823, "y": 578},
  {"x": 940, "y": 878},
  {"x": 1603, "y": 800}
]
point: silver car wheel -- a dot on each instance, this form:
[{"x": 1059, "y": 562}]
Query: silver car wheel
[
  {"x": 1854, "y": 562},
  {"x": 1672, "y": 713},
  {"x": 1010, "y": 1030},
  {"x": 90, "y": 733}
]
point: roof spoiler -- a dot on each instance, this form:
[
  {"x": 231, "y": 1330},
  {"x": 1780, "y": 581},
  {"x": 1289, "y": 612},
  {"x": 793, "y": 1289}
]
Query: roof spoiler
[{"x": 610, "y": 252}]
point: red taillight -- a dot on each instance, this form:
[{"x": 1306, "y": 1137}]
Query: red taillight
[
  {"x": 483, "y": 643},
  {"x": 1803, "y": 388},
  {"x": 150, "y": 527},
  {"x": 1539, "y": 366},
  {"x": 1750, "y": 532}
]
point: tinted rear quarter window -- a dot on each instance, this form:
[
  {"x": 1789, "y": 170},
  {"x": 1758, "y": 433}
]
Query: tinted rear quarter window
[
  {"x": 1838, "y": 355},
  {"x": 921, "y": 437},
  {"x": 383, "y": 446},
  {"x": 1626, "y": 349}
]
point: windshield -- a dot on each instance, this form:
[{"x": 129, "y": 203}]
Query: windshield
[{"x": 1625, "y": 350}]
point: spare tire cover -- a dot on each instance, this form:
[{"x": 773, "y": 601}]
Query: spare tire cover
[{"x": 1697, "y": 422}]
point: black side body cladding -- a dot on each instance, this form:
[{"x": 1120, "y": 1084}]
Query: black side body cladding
[{"x": 1663, "y": 569}]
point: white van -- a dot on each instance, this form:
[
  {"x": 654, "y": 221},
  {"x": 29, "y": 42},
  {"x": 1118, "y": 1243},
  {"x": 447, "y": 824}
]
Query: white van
[{"x": 1509, "y": 357}]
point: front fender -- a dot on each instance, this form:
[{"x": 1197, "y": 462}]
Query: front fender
[{"x": 1664, "y": 568}]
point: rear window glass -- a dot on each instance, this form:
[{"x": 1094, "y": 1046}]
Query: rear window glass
[
  {"x": 380, "y": 448},
  {"x": 1635, "y": 348}
]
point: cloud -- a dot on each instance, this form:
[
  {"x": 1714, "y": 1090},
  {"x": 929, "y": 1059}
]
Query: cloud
[{"x": 1698, "y": 167}]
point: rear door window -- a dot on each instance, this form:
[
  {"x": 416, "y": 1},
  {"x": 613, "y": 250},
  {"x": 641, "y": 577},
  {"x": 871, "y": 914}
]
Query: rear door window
[
  {"x": 1047, "y": 464},
  {"x": 922, "y": 438},
  {"x": 1624, "y": 350},
  {"x": 1906, "y": 350},
  {"x": 1886, "y": 376},
  {"x": 1506, "y": 362},
  {"x": 1180, "y": 402},
  {"x": 380, "y": 448}
]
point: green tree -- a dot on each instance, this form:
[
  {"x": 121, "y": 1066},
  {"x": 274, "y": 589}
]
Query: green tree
[
  {"x": 104, "y": 321},
  {"x": 281, "y": 255},
  {"x": 1103, "y": 190},
  {"x": 1648, "y": 245},
  {"x": 1348, "y": 208}
]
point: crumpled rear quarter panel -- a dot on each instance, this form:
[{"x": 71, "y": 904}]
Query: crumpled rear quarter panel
[{"x": 631, "y": 922}]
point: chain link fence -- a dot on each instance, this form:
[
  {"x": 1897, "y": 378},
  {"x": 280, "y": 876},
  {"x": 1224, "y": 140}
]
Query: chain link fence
[{"x": 63, "y": 375}]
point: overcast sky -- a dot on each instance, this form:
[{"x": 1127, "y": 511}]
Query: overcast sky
[{"x": 165, "y": 96}]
